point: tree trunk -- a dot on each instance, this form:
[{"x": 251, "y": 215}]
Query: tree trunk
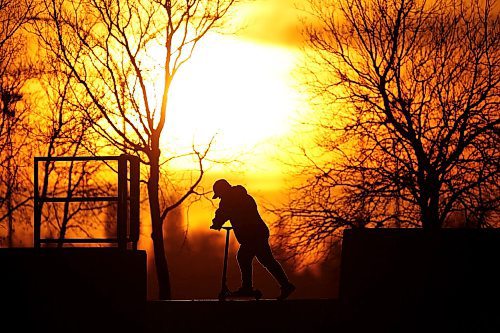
[
  {"x": 10, "y": 232},
  {"x": 64, "y": 226},
  {"x": 430, "y": 218},
  {"x": 430, "y": 205},
  {"x": 161, "y": 264},
  {"x": 65, "y": 219}
]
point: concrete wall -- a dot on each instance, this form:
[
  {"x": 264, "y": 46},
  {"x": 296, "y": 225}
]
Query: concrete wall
[
  {"x": 72, "y": 289},
  {"x": 414, "y": 280}
]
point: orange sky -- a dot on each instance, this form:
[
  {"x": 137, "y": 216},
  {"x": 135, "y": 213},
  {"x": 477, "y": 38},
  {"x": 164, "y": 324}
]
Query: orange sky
[
  {"x": 242, "y": 88},
  {"x": 240, "y": 85}
]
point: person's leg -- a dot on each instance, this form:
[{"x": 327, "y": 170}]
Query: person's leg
[
  {"x": 266, "y": 258},
  {"x": 245, "y": 256}
]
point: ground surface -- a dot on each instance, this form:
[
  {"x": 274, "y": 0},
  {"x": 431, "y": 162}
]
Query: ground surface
[{"x": 319, "y": 315}]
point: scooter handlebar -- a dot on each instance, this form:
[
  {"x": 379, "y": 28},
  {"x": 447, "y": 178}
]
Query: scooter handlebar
[{"x": 214, "y": 227}]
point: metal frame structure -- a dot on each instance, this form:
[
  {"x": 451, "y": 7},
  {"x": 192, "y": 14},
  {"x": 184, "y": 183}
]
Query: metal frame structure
[{"x": 125, "y": 232}]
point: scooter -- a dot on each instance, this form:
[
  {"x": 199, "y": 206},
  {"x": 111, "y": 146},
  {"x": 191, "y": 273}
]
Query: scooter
[{"x": 225, "y": 292}]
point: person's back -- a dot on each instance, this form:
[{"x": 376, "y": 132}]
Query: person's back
[{"x": 240, "y": 208}]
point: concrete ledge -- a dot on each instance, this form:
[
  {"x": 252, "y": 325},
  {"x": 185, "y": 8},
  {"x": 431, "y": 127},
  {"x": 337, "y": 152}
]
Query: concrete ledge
[
  {"x": 415, "y": 280},
  {"x": 72, "y": 289},
  {"x": 318, "y": 315}
]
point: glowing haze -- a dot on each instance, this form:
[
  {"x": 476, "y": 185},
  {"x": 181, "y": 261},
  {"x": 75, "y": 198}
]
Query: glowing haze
[
  {"x": 238, "y": 90},
  {"x": 239, "y": 87}
]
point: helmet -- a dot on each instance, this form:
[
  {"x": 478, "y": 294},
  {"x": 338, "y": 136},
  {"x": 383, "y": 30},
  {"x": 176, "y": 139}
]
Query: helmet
[{"x": 220, "y": 186}]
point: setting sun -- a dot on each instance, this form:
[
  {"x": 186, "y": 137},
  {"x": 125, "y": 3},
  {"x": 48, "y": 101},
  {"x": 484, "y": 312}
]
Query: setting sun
[{"x": 240, "y": 91}]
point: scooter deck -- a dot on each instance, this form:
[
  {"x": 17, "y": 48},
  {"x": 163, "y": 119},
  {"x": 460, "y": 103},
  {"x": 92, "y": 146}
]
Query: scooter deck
[{"x": 223, "y": 295}]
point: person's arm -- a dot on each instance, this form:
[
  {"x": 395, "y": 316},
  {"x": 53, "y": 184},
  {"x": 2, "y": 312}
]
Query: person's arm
[{"x": 220, "y": 218}]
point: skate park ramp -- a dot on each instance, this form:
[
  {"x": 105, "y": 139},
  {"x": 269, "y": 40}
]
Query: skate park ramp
[
  {"x": 415, "y": 280},
  {"x": 72, "y": 289},
  {"x": 294, "y": 315},
  {"x": 104, "y": 290},
  {"x": 391, "y": 281}
]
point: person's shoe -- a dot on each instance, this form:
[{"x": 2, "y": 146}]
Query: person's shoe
[
  {"x": 286, "y": 291},
  {"x": 243, "y": 292}
]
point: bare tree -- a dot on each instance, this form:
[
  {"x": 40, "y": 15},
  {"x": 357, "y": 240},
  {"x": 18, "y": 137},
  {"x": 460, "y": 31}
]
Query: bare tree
[
  {"x": 408, "y": 113},
  {"x": 13, "y": 15},
  {"x": 124, "y": 56},
  {"x": 15, "y": 71},
  {"x": 63, "y": 130}
]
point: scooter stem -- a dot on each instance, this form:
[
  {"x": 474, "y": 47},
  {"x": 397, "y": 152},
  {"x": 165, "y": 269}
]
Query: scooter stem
[{"x": 226, "y": 250}]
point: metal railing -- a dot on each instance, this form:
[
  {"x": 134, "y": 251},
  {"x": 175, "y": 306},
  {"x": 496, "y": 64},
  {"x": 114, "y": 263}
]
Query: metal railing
[{"x": 128, "y": 205}]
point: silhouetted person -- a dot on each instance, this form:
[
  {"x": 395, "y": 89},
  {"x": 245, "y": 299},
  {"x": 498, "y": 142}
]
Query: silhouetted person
[{"x": 252, "y": 233}]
